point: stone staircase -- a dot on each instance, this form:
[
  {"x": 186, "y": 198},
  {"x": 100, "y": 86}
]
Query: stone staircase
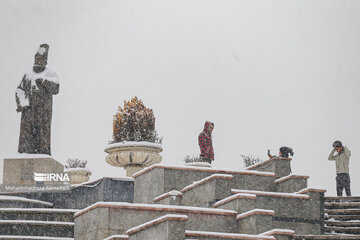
[
  {"x": 264, "y": 201},
  {"x": 342, "y": 215},
  {"x": 24, "y": 218},
  {"x": 342, "y": 219}
]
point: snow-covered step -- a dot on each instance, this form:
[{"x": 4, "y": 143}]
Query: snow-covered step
[
  {"x": 350, "y": 211},
  {"x": 38, "y": 228},
  {"x": 117, "y": 237},
  {"x": 203, "y": 235},
  {"x": 325, "y": 237},
  {"x": 21, "y": 202},
  {"x": 342, "y": 217},
  {"x": 334, "y": 223},
  {"x": 342, "y": 205},
  {"x": 343, "y": 199},
  {"x": 41, "y": 214},
  {"x": 10, "y": 237},
  {"x": 346, "y": 230}
]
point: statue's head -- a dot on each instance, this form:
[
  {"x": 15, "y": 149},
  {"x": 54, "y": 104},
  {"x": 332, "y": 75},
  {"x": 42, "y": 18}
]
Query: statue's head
[{"x": 41, "y": 58}]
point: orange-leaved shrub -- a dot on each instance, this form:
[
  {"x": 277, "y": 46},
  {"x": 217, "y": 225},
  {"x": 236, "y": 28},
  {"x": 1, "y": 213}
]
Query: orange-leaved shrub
[{"x": 134, "y": 122}]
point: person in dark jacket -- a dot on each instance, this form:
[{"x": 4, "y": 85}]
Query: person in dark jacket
[
  {"x": 205, "y": 143},
  {"x": 283, "y": 152}
]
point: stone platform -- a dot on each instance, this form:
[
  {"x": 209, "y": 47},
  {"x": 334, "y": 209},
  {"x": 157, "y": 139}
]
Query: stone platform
[
  {"x": 182, "y": 202},
  {"x": 20, "y": 170}
]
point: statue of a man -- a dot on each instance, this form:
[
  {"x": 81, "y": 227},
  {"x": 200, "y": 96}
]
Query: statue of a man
[{"x": 34, "y": 101}]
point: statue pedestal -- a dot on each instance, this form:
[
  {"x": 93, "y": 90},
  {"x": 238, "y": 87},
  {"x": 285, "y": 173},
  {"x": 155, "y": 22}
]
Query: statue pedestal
[{"x": 20, "y": 170}]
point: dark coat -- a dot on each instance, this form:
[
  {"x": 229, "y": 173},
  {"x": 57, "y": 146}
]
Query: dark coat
[
  {"x": 205, "y": 143},
  {"x": 34, "y": 100}
]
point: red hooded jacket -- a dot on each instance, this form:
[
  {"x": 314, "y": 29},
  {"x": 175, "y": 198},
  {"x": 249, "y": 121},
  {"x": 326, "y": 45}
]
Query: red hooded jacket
[{"x": 205, "y": 143}]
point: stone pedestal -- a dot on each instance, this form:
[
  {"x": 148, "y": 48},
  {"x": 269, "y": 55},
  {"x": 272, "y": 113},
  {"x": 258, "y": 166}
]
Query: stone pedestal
[{"x": 20, "y": 170}]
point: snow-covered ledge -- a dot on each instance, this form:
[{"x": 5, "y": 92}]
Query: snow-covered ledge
[
  {"x": 198, "y": 164},
  {"x": 133, "y": 156}
]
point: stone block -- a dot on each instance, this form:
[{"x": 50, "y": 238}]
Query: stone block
[
  {"x": 206, "y": 192},
  {"x": 254, "y": 180},
  {"x": 37, "y": 214},
  {"x": 280, "y": 166},
  {"x": 316, "y": 205},
  {"x": 285, "y": 205},
  {"x": 295, "y": 211},
  {"x": 280, "y": 234},
  {"x": 83, "y": 195},
  {"x": 291, "y": 183},
  {"x": 93, "y": 225},
  {"x": 170, "y": 198},
  {"x": 21, "y": 170},
  {"x": 40, "y": 228},
  {"x": 20, "y": 202},
  {"x": 255, "y": 221},
  {"x": 157, "y": 180},
  {"x": 240, "y": 202},
  {"x": 299, "y": 226},
  {"x": 116, "y": 218},
  {"x": 167, "y": 227}
]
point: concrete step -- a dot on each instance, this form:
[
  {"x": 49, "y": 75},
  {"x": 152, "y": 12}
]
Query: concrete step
[
  {"x": 202, "y": 235},
  {"x": 21, "y": 202},
  {"x": 325, "y": 237},
  {"x": 40, "y": 214},
  {"x": 37, "y": 228},
  {"x": 346, "y": 230},
  {"x": 11, "y": 237},
  {"x": 350, "y": 211},
  {"x": 342, "y": 205},
  {"x": 342, "y": 217},
  {"x": 342, "y": 224},
  {"x": 345, "y": 199}
]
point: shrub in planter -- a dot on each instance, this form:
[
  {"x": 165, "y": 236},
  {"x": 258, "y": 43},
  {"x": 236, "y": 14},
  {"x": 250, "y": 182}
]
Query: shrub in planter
[
  {"x": 77, "y": 170},
  {"x": 75, "y": 163},
  {"x": 134, "y": 122},
  {"x": 135, "y": 143}
]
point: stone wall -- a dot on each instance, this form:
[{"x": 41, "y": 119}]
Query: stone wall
[
  {"x": 83, "y": 195},
  {"x": 219, "y": 204}
]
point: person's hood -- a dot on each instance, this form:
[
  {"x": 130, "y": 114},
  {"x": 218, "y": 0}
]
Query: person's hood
[
  {"x": 348, "y": 152},
  {"x": 207, "y": 126}
]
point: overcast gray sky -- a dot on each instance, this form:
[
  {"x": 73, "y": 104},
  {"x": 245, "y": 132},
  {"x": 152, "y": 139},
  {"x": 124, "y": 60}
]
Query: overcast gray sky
[{"x": 267, "y": 73}]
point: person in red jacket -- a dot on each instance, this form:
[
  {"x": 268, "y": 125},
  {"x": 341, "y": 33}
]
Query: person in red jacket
[{"x": 205, "y": 143}]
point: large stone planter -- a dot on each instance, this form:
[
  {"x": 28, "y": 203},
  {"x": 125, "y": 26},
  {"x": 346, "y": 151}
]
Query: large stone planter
[
  {"x": 133, "y": 156},
  {"x": 78, "y": 175}
]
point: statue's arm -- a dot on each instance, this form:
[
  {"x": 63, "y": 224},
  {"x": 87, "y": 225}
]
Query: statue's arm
[
  {"x": 21, "y": 96},
  {"x": 50, "y": 84}
]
